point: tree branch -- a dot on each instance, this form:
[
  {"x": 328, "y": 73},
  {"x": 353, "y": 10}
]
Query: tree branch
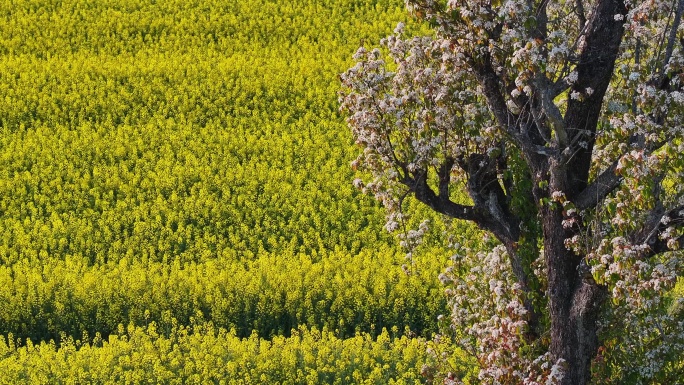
[
  {"x": 444, "y": 174},
  {"x": 541, "y": 28},
  {"x": 594, "y": 69},
  {"x": 490, "y": 210},
  {"x": 491, "y": 86},
  {"x": 550, "y": 110},
  {"x": 442, "y": 204},
  {"x": 527, "y": 138},
  {"x": 579, "y": 11},
  {"x": 658, "y": 222},
  {"x": 597, "y": 191},
  {"x": 673, "y": 36},
  {"x": 489, "y": 198},
  {"x": 608, "y": 180}
]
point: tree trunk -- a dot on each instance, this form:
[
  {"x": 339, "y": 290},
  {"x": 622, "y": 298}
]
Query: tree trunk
[{"x": 574, "y": 302}]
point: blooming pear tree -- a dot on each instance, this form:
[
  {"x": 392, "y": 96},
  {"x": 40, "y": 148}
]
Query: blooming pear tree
[{"x": 562, "y": 120}]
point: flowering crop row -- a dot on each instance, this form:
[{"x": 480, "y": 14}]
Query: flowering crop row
[
  {"x": 203, "y": 354},
  {"x": 270, "y": 295}
]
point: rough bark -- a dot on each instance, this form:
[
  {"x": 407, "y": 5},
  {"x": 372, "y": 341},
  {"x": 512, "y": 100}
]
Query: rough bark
[
  {"x": 574, "y": 302},
  {"x": 574, "y": 297},
  {"x": 595, "y": 70}
]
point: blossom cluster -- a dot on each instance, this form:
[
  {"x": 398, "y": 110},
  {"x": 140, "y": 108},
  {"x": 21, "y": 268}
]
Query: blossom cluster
[
  {"x": 651, "y": 333},
  {"x": 411, "y": 104},
  {"x": 490, "y": 320}
]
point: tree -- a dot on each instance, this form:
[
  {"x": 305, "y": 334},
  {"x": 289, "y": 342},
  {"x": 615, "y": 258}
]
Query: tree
[{"x": 562, "y": 120}]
